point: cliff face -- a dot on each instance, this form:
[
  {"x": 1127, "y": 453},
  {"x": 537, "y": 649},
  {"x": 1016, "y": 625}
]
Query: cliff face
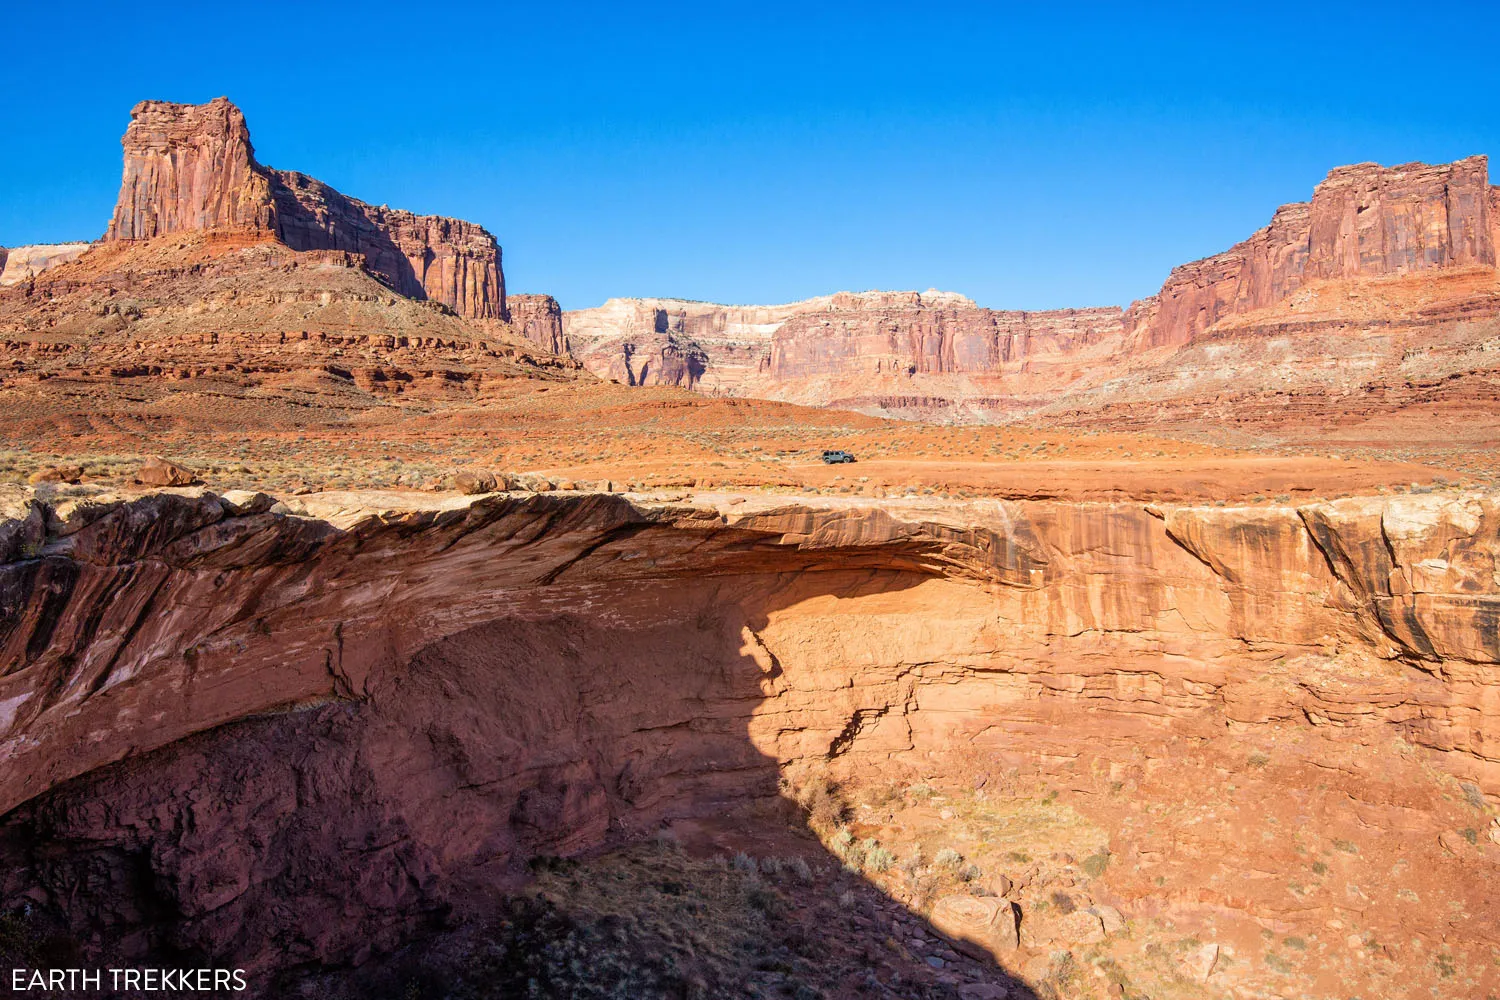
[
  {"x": 192, "y": 167},
  {"x": 1363, "y": 221},
  {"x": 19, "y": 264},
  {"x": 930, "y": 335},
  {"x": 420, "y": 256},
  {"x": 381, "y": 736},
  {"x": 754, "y": 350},
  {"x": 189, "y": 166},
  {"x": 539, "y": 319},
  {"x": 697, "y": 345}
]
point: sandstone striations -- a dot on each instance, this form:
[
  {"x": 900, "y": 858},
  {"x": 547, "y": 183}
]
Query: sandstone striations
[
  {"x": 192, "y": 167},
  {"x": 771, "y": 351},
  {"x": 697, "y": 345},
  {"x": 933, "y": 334},
  {"x": 1363, "y": 221},
  {"x": 189, "y": 166},
  {"x": 539, "y": 319},
  {"x": 381, "y": 739}
]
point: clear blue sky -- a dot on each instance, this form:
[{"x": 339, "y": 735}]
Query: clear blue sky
[{"x": 1031, "y": 157}]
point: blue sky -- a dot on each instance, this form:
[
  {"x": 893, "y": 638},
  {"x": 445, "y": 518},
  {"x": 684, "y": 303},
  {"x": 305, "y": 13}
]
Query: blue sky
[{"x": 1034, "y": 156}]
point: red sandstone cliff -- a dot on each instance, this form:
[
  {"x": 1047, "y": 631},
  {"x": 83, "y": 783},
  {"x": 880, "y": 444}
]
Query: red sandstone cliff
[
  {"x": 539, "y": 319},
  {"x": 753, "y": 350},
  {"x": 193, "y": 167},
  {"x": 379, "y": 703},
  {"x": 911, "y": 333},
  {"x": 1382, "y": 262},
  {"x": 1364, "y": 220}
]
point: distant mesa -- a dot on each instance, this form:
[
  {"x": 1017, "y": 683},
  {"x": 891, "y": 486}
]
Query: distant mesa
[
  {"x": 17, "y": 264},
  {"x": 741, "y": 350},
  {"x": 1363, "y": 221},
  {"x": 850, "y": 350},
  {"x": 192, "y": 167}
]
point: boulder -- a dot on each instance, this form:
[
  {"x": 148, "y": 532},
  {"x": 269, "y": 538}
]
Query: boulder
[
  {"x": 238, "y": 503},
  {"x": 57, "y": 474},
  {"x": 1111, "y": 918},
  {"x": 1065, "y": 930},
  {"x": 979, "y": 926},
  {"x": 471, "y": 482},
  {"x": 160, "y": 472}
]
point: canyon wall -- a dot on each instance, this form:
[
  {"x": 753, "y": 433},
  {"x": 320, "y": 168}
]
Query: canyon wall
[
  {"x": 192, "y": 167},
  {"x": 398, "y": 699},
  {"x": 19, "y": 264},
  {"x": 539, "y": 319},
  {"x": 189, "y": 166},
  {"x": 698, "y": 345},
  {"x": 1364, "y": 220},
  {"x": 940, "y": 357},
  {"x": 751, "y": 350},
  {"x": 914, "y": 334}
]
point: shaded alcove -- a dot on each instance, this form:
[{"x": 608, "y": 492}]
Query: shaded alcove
[{"x": 358, "y": 846}]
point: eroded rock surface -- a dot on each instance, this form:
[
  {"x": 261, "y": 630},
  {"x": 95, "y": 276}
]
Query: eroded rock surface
[
  {"x": 499, "y": 677},
  {"x": 1364, "y": 220},
  {"x": 192, "y": 167},
  {"x": 18, "y": 264}
]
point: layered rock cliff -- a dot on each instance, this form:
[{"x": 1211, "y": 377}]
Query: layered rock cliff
[
  {"x": 398, "y": 698},
  {"x": 1418, "y": 240},
  {"x": 539, "y": 319},
  {"x": 19, "y": 264},
  {"x": 1363, "y": 221},
  {"x": 932, "y": 335},
  {"x": 698, "y": 345},
  {"x": 760, "y": 350},
  {"x": 192, "y": 167}
]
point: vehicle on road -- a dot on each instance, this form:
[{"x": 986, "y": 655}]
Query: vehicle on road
[{"x": 837, "y": 457}]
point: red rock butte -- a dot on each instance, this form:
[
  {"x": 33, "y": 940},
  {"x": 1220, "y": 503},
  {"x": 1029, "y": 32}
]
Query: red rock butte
[
  {"x": 1363, "y": 221},
  {"x": 192, "y": 167}
]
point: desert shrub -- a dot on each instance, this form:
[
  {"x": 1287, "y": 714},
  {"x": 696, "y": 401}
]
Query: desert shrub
[
  {"x": 823, "y": 802},
  {"x": 948, "y": 858},
  {"x": 1472, "y": 794},
  {"x": 1095, "y": 864}
]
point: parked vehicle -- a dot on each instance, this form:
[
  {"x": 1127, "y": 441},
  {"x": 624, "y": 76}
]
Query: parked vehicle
[{"x": 837, "y": 457}]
